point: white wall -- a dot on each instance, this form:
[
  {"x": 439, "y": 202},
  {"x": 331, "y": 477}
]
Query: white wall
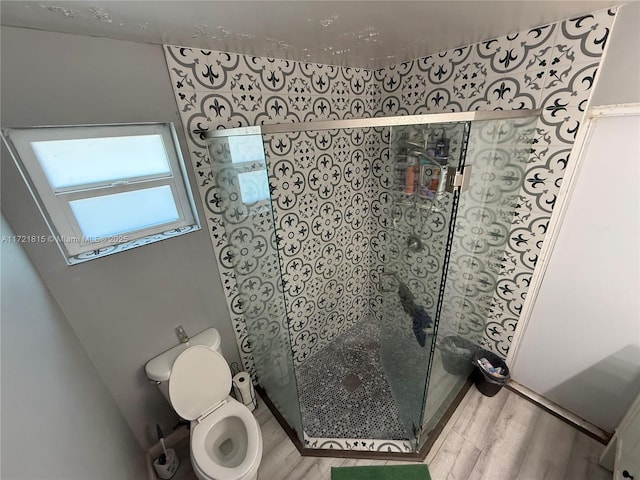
[
  {"x": 58, "y": 419},
  {"x": 581, "y": 348},
  {"x": 619, "y": 80},
  {"x": 123, "y": 307}
]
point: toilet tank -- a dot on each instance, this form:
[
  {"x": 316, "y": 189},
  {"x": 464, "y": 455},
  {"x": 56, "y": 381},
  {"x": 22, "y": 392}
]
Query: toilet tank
[{"x": 158, "y": 369}]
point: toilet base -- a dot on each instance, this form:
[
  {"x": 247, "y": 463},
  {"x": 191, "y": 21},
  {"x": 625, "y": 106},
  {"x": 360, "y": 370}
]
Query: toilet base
[{"x": 250, "y": 476}]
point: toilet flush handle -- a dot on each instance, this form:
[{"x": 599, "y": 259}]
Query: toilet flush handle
[{"x": 182, "y": 334}]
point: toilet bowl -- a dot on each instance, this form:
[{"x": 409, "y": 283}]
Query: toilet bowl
[{"x": 226, "y": 442}]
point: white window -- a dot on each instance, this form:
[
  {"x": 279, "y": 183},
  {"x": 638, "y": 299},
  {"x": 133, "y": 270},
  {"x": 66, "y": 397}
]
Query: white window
[{"x": 104, "y": 189}]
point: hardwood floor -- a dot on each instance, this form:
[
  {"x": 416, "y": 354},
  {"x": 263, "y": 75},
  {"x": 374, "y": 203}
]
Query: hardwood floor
[{"x": 501, "y": 438}]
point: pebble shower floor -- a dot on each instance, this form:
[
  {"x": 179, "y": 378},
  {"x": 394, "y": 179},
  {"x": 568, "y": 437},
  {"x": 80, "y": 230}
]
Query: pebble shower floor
[{"x": 344, "y": 392}]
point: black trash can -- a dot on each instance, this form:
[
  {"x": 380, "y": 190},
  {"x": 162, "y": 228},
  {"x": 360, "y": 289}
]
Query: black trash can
[
  {"x": 457, "y": 354},
  {"x": 489, "y": 384}
]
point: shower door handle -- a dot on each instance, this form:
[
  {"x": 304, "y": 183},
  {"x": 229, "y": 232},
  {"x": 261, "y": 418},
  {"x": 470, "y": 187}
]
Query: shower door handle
[
  {"x": 381, "y": 281},
  {"x": 457, "y": 180}
]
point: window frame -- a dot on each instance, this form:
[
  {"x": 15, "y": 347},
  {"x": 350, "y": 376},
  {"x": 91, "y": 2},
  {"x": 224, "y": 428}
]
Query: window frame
[{"x": 55, "y": 205}]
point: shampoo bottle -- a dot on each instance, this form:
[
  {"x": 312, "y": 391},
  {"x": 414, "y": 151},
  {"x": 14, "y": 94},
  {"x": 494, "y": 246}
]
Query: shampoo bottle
[{"x": 410, "y": 180}]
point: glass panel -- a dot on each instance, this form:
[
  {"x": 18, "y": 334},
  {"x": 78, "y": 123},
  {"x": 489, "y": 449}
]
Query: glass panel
[
  {"x": 124, "y": 212},
  {"x": 417, "y": 235},
  {"x": 239, "y": 171},
  {"x": 254, "y": 186},
  {"x": 326, "y": 191},
  {"x": 91, "y": 161},
  {"x": 246, "y": 148},
  {"x": 496, "y": 159}
]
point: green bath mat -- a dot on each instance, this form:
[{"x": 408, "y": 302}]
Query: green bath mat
[{"x": 381, "y": 472}]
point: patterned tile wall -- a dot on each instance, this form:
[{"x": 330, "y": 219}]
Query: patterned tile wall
[
  {"x": 497, "y": 155},
  {"x": 552, "y": 67},
  {"x": 322, "y": 186},
  {"x": 217, "y": 90}
]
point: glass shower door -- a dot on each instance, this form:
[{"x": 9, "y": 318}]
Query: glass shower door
[
  {"x": 239, "y": 170},
  {"x": 422, "y": 158},
  {"x": 495, "y": 162}
]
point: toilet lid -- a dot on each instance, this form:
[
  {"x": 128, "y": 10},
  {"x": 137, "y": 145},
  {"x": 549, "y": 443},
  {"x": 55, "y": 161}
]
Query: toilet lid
[{"x": 200, "y": 379}]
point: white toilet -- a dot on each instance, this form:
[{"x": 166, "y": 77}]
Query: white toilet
[{"x": 226, "y": 442}]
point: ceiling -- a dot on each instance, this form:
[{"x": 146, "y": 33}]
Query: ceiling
[{"x": 368, "y": 34}]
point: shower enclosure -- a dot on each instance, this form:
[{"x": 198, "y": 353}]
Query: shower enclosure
[{"x": 366, "y": 254}]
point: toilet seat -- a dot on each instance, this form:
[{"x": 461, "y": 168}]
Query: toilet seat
[
  {"x": 199, "y": 389},
  {"x": 199, "y": 430},
  {"x": 200, "y": 381}
]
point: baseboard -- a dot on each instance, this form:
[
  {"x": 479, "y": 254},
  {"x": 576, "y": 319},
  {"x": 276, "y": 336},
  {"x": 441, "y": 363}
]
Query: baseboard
[{"x": 557, "y": 411}]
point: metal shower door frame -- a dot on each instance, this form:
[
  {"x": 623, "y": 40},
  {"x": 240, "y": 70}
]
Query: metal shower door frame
[{"x": 379, "y": 122}]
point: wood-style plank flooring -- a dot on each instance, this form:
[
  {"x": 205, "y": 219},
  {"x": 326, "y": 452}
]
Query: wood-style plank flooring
[{"x": 501, "y": 438}]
